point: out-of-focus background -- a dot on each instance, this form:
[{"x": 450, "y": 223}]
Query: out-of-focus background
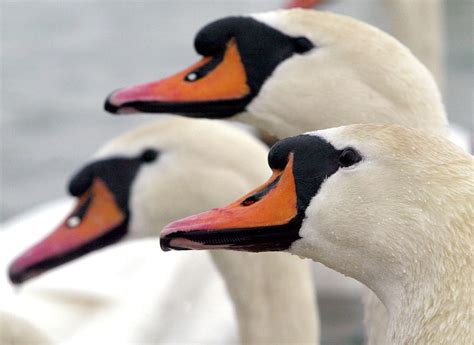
[{"x": 59, "y": 59}]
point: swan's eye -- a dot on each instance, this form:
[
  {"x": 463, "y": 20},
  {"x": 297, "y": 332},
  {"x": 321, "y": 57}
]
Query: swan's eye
[
  {"x": 149, "y": 155},
  {"x": 193, "y": 76},
  {"x": 349, "y": 157}
]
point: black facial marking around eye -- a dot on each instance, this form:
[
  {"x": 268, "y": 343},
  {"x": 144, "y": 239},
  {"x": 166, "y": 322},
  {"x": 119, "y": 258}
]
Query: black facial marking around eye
[
  {"x": 80, "y": 182},
  {"x": 314, "y": 160},
  {"x": 278, "y": 156},
  {"x": 260, "y": 50},
  {"x": 261, "y": 47},
  {"x": 348, "y": 157},
  {"x": 117, "y": 173}
]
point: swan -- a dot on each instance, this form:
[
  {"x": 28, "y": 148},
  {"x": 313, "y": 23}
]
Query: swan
[
  {"x": 142, "y": 180},
  {"x": 387, "y": 205},
  {"x": 292, "y": 71},
  {"x": 92, "y": 296}
]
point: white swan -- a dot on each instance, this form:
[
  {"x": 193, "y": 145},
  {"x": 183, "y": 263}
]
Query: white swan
[
  {"x": 390, "y": 206},
  {"x": 292, "y": 71},
  {"x": 313, "y": 70},
  {"x": 144, "y": 179}
]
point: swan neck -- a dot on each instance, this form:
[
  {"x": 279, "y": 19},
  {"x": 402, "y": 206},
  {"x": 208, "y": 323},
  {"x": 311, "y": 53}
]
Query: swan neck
[
  {"x": 432, "y": 307},
  {"x": 274, "y": 299}
]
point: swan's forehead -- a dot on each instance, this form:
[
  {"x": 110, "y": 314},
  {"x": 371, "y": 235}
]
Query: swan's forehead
[
  {"x": 159, "y": 136},
  {"x": 128, "y": 147},
  {"x": 320, "y": 27},
  {"x": 380, "y": 140},
  {"x": 370, "y": 140},
  {"x": 284, "y": 22},
  {"x": 167, "y": 134},
  {"x": 184, "y": 139}
]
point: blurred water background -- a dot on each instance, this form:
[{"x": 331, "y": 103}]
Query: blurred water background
[{"x": 59, "y": 59}]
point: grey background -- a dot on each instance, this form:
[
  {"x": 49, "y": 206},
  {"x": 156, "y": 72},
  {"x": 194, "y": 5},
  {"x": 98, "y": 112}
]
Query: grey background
[{"x": 60, "y": 59}]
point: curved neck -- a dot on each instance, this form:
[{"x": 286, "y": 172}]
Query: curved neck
[
  {"x": 428, "y": 299},
  {"x": 284, "y": 120},
  {"x": 425, "y": 280},
  {"x": 273, "y": 296},
  {"x": 433, "y": 311}
]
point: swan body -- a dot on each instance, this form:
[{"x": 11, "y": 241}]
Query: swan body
[
  {"x": 387, "y": 205},
  {"x": 131, "y": 188}
]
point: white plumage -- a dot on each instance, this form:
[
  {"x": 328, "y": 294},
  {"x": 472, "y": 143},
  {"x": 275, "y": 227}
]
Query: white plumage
[
  {"x": 401, "y": 222},
  {"x": 201, "y": 164}
]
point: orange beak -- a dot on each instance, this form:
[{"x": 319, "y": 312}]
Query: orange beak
[
  {"x": 265, "y": 219},
  {"x": 215, "y": 85},
  {"x": 95, "y": 222}
]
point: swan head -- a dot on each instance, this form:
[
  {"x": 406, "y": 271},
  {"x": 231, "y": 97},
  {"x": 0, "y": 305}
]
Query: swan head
[
  {"x": 142, "y": 180},
  {"x": 360, "y": 199},
  {"x": 293, "y": 69}
]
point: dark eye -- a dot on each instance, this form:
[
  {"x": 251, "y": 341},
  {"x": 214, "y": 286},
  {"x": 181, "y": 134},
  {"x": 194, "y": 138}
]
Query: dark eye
[
  {"x": 149, "y": 155},
  {"x": 349, "y": 157},
  {"x": 193, "y": 76}
]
